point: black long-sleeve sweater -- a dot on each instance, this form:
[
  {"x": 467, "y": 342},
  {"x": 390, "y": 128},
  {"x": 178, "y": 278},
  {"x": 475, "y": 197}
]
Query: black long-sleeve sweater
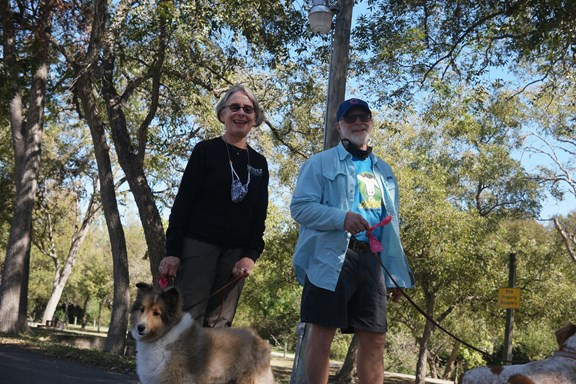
[{"x": 203, "y": 208}]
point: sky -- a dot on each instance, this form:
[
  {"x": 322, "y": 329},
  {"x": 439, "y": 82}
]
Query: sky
[{"x": 550, "y": 206}]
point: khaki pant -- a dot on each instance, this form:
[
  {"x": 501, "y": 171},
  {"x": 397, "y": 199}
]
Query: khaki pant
[{"x": 204, "y": 269}]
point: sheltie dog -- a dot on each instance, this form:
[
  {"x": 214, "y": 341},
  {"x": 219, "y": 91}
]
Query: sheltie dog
[
  {"x": 559, "y": 368},
  {"x": 171, "y": 348}
]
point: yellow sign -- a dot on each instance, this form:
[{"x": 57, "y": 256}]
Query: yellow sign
[{"x": 509, "y": 298}]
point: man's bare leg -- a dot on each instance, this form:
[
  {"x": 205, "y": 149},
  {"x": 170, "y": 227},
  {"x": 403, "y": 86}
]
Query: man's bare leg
[
  {"x": 370, "y": 360},
  {"x": 318, "y": 354}
]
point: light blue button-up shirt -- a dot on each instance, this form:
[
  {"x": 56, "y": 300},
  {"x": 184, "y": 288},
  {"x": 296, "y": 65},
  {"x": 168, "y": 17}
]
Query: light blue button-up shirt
[{"x": 324, "y": 193}]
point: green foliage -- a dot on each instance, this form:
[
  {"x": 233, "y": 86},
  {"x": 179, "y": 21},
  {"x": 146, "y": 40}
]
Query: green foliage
[
  {"x": 450, "y": 171},
  {"x": 92, "y": 275},
  {"x": 340, "y": 346},
  {"x": 271, "y": 297},
  {"x": 480, "y": 130},
  {"x": 406, "y": 45},
  {"x": 536, "y": 343},
  {"x": 39, "y": 285},
  {"x": 401, "y": 350}
]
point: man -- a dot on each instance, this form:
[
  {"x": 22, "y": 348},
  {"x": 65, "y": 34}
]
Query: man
[{"x": 340, "y": 194}]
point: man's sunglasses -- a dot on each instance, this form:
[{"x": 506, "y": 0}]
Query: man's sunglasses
[
  {"x": 364, "y": 117},
  {"x": 236, "y": 107}
]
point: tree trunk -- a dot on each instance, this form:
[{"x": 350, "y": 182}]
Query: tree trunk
[
  {"x": 27, "y": 142},
  {"x": 22, "y": 325},
  {"x": 567, "y": 238},
  {"x": 99, "y": 320},
  {"x": 432, "y": 366},
  {"x": 119, "y": 320},
  {"x": 85, "y": 312},
  {"x": 423, "y": 348},
  {"x": 451, "y": 360},
  {"x": 346, "y": 373},
  {"x": 131, "y": 153},
  {"x": 84, "y": 89},
  {"x": 143, "y": 196}
]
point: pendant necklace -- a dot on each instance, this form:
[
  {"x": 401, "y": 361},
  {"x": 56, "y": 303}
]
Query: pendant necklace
[{"x": 238, "y": 190}]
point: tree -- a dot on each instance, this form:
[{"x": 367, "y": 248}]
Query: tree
[
  {"x": 47, "y": 245},
  {"x": 27, "y": 141},
  {"x": 440, "y": 244},
  {"x": 93, "y": 38},
  {"x": 134, "y": 75},
  {"x": 415, "y": 43},
  {"x": 119, "y": 323},
  {"x": 418, "y": 45},
  {"x": 95, "y": 284},
  {"x": 457, "y": 183},
  {"x": 6, "y": 179},
  {"x": 65, "y": 206},
  {"x": 553, "y": 144},
  {"x": 481, "y": 127}
]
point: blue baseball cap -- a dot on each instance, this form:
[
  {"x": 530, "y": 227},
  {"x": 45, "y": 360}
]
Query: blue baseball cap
[{"x": 345, "y": 106}]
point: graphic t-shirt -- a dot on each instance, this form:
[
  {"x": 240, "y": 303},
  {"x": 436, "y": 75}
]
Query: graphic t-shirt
[{"x": 368, "y": 197}]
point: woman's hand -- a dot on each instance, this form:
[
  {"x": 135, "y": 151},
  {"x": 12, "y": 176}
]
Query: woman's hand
[
  {"x": 243, "y": 267},
  {"x": 169, "y": 266}
]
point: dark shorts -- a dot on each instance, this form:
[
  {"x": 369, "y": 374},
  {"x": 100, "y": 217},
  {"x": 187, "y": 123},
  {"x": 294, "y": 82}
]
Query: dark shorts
[{"x": 359, "y": 301}]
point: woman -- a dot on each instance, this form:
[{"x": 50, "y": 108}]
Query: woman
[{"x": 216, "y": 226}]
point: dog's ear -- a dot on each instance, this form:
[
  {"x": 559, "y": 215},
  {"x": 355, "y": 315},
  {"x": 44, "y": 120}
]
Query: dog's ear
[
  {"x": 174, "y": 304},
  {"x": 564, "y": 333},
  {"x": 144, "y": 286},
  {"x": 172, "y": 294}
]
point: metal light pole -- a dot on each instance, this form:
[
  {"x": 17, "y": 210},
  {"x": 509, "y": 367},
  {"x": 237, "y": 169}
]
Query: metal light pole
[{"x": 336, "y": 93}]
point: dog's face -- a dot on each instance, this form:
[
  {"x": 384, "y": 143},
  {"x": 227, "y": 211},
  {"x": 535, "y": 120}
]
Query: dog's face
[{"x": 154, "y": 312}]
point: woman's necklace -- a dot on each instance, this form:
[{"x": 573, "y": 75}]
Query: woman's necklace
[
  {"x": 234, "y": 148},
  {"x": 238, "y": 190}
]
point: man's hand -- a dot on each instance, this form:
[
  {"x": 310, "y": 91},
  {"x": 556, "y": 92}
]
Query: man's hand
[
  {"x": 354, "y": 223},
  {"x": 395, "y": 294}
]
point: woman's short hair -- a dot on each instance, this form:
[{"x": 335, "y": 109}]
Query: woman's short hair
[{"x": 259, "y": 114}]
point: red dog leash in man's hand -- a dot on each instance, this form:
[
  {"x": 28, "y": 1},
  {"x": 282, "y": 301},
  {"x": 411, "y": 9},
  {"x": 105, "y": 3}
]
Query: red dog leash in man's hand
[{"x": 375, "y": 245}]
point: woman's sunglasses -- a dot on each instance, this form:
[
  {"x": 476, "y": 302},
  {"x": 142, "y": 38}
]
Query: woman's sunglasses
[{"x": 236, "y": 107}]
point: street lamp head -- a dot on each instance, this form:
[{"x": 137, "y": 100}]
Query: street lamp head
[{"x": 320, "y": 17}]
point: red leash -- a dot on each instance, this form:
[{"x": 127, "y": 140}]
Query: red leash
[
  {"x": 163, "y": 283},
  {"x": 375, "y": 245}
]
